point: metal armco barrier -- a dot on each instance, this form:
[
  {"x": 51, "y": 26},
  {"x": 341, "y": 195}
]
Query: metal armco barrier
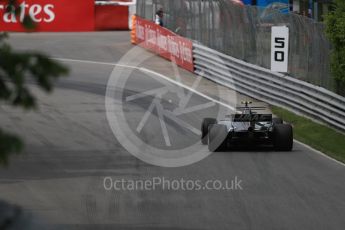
[{"x": 273, "y": 88}]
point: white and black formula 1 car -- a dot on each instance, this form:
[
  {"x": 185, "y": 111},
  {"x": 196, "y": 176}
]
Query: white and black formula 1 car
[{"x": 248, "y": 129}]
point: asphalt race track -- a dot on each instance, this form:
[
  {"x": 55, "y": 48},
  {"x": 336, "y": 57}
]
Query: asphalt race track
[{"x": 70, "y": 149}]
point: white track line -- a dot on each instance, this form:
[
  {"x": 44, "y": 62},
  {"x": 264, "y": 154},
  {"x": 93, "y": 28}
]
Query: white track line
[
  {"x": 92, "y": 62},
  {"x": 144, "y": 70},
  {"x": 185, "y": 87}
]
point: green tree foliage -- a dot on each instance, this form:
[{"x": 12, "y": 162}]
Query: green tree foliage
[
  {"x": 17, "y": 71},
  {"x": 335, "y": 29}
]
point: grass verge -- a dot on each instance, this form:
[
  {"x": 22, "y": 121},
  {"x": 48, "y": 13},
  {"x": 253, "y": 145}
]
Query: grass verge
[{"x": 320, "y": 137}]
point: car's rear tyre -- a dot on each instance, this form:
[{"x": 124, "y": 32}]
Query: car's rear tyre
[
  {"x": 277, "y": 121},
  {"x": 217, "y": 138},
  {"x": 204, "y": 129},
  {"x": 282, "y": 137}
]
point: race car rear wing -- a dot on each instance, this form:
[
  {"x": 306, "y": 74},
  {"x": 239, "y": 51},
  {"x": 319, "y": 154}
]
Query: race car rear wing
[
  {"x": 252, "y": 118},
  {"x": 252, "y": 108}
]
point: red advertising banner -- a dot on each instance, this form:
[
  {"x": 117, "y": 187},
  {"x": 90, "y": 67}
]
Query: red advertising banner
[
  {"x": 111, "y": 17},
  {"x": 49, "y": 15},
  {"x": 165, "y": 43}
]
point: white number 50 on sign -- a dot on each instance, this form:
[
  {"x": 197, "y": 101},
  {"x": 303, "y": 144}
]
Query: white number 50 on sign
[{"x": 280, "y": 49}]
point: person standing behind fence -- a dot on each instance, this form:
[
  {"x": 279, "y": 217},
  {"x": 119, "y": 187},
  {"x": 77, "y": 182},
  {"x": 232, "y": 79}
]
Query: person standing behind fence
[{"x": 159, "y": 17}]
